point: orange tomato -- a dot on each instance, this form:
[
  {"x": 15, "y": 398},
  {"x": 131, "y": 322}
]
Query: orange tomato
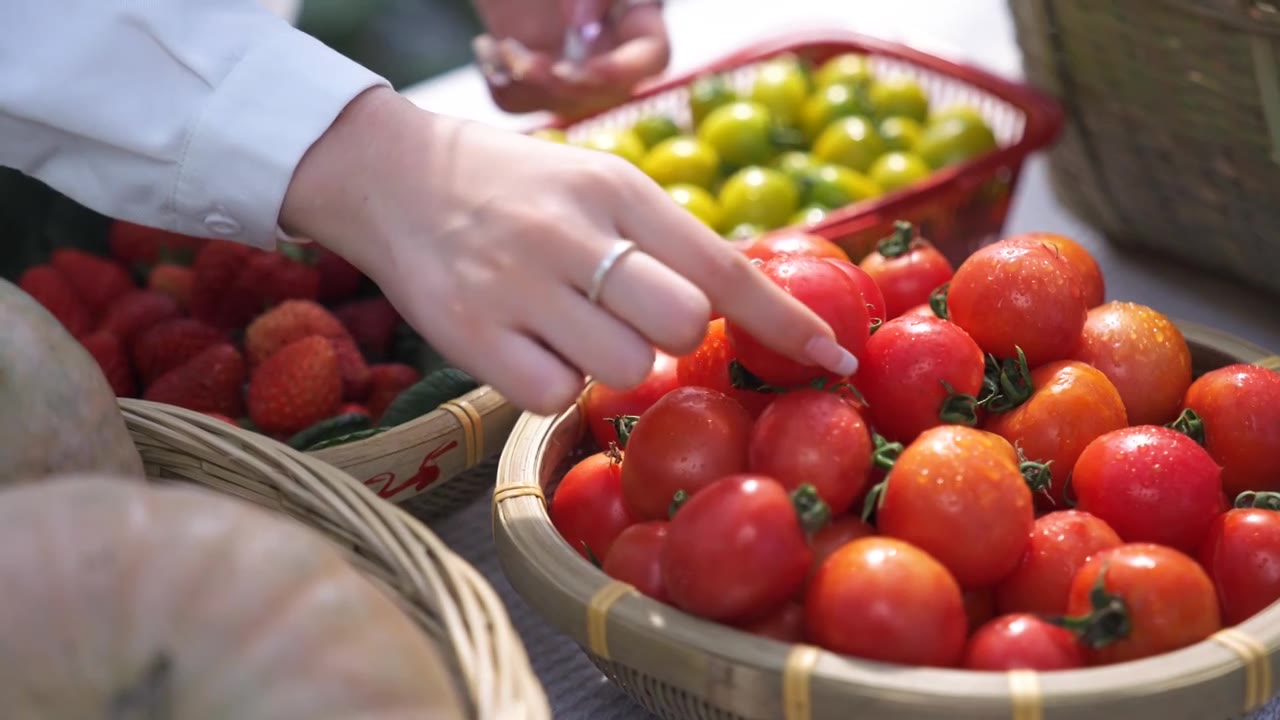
[{"x": 767, "y": 246}]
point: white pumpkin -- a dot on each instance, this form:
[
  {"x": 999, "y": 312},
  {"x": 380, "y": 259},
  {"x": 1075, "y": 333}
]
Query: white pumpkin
[{"x": 128, "y": 601}]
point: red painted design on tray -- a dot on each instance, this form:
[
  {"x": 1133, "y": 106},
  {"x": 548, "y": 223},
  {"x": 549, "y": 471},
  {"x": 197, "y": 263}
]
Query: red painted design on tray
[{"x": 385, "y": 484}]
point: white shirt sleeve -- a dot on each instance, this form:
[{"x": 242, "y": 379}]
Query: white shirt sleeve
[{"x": 187, "y": 115}]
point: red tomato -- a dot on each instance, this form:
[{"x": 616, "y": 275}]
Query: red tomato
[
  {"x": 1143, "y": 354},
  {"x": 1166, "y": 598},
  {"x": 1060, "y": 543},
  {"x": 711, "y": 366},
  {"x": 884, "y": 599},
  {"x": 792, "y": 242},
  {"x": 921, "y": 310},
  {"x": 587, "y": 507},
  {"x": 1242, "y": 556},
  {"x": 813, "y": 437},
  {"x": 979, "y": 607},
  {"x": 1239, "y": 407},
  {"x": 920, "y": 372},
  {"x": 600, "y": 402},
  {"x": 1022, "y": 642},
  {"x": 957, "y": 494},
  {"x": 870, "y": 291},
  {"x": 907, "y": 268},
  {"x": 689, "y": 439},
  {"x": 1092, "y": 285},
  {"x": 1019, "y": 295},
  {"x": 1071, "y": 404},
  {"x": 636, "y": 558},
  {"x": 840, "y": 532},
  {"x": 1150, "y": 484},
  {"x": 738, "y": 549},
  {"x": 827, "y": 291},
  {"x": 786, "y": 624}
]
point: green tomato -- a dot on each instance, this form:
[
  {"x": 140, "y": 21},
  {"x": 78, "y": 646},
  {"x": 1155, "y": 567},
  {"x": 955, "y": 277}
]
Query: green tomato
[
  {"x": 795, "y": 163},
  {"x": 896, "y": 170},
  {"x": 900, "y": 133},
  {"x": 830, "y": 103},
  {"x": 780, "y": 86},
  {"x": 653, "y": 129},
  {"x": 621, "y": 142},
  {"x": 744, "y": 231},
  {"x": 853, "y": 142},
  {"x": 899, "y": 96},
  {"x": 699, "y": 202},
  {"x": 834, "y": 186},
  {"x": 760, "y": 196},
  {"x": 682, "y": 160},
  {"x": 811, "y": 215},
  {"x": 953, "y": 140},
  {"x": 740, "y": 132},
  {"x": 847, "y": 68},
  {"x": 708, "y": 93}
]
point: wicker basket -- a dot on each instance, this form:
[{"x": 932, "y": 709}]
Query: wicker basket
[
  {"x": 679, "y": 667},
  {"x": 1173, "y": 136},
  {"x": 446, "y": 597}
]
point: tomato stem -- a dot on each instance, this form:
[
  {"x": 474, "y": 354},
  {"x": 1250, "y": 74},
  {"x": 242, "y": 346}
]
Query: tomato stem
[
  {"x": 884, "y": 453},
  {"x": 614, "y": 453},
  {"x": 899, "y": 242},
  {"x": 1260, "y": 500},
  {"x": 1189, "y": 423},
  {"x": 1066, "y": 493},
  {"x": 875, "y": 325},
  {"x": 875, "y": 498},
  {"x": 624, "y": 425},
  {"x": 1006, "y": 384},
  {"x": 958, "y": 408},
  {"x": 743, "y": 379},
  {"x": 938, "y": 300},
  {"x": 677, "y": 501},
  {"x": 1108, "y": 620},
  {"x": 814, "y": 514}
]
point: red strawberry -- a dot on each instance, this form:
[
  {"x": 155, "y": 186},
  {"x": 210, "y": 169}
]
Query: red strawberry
[
  {"x": 107, "y": 349},
  {"x": 223, "y": 418},
  {"x": 97, "y": 280},
  {"x": 174, "y": 281},
  {"x": 355, "y": 371},
  {"x": 49, "y": 288},
  {"x": 386, "y": 382},
  {"x": 171, "y": 343},
  {"x": 297, "y": 387},
  {"x": 212, "y": 381},
  {"x": 136, "y": 311},
  {"x": 293, "y": 320},
  {"x": 372, "y": 324},
  {"x": 339, "y": 279},
  {"x": 354, "y": 409},
  {"x": 213, "y": 298},
  {"x": 276, "y": 277},
  {"x": 141, "y": 246}
]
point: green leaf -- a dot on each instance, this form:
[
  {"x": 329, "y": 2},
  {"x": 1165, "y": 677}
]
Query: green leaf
[
  {"x": 426, "y": 395},
  {"x": 348, "y": 438},
  {"x": 330, "y": 428}
]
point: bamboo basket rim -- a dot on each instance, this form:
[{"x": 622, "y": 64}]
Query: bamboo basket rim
[
  {"x": 547, "y": 572},
  {"x": 439, "y": 590}
]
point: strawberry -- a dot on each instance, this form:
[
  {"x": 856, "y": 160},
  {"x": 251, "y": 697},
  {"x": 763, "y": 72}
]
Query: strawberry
[
  {"x": 372, "y": 324},
  {"x": 223, "y": 418},
  {"x": 141, "y": 246},
  {"x": 293, "y": 320},
  {"x": 339, "y": 279},
  {"x": 212, "y": 381},
  {"x": 171, "y": 343},
  {"x": 136, "y": 311},
  {"x": 97, "y": 280},
  {"x": 174, "y": 281},
  {"x": 272, "y": 278},
  {"x": 107, "y": 349},
  {"x": 213, "y": 300},
  {"x": 386, "y": 382},
  {"x": 49, "y": 288},
  {"x": 354, "y": 409},
  {"x": 297, "y": 387}
]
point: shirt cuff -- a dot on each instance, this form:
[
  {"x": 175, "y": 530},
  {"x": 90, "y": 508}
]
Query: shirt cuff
[{"x": 259, "y": 122}]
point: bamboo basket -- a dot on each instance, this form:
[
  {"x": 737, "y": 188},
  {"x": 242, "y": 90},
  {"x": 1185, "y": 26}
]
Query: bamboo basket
[
  {"x": 680, "y": 667},
  {"x": 1172, "y": 142},
  {"x": 442, "y": 594}
]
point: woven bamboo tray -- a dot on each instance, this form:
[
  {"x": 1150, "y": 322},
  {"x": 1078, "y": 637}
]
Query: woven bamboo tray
[
  {"x": 681, "y": 667},
  {"x": 1172, "y": 142},
  {"x": 446, "y": 597}
]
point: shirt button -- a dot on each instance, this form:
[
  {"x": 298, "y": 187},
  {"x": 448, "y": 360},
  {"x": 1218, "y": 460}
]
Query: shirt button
[{"x": 220, "y": 224}]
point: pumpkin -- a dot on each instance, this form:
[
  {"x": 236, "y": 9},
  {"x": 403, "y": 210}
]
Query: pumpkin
[
  {"x": 127, "y": 600},
  {"x": 58, "y": 414}
]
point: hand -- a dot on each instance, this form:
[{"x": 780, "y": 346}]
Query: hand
[
  {"x": 520, "y": 56},
  {"x": 487, "y": 243}
]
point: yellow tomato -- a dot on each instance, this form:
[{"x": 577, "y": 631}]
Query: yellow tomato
[
  {"x": 621, "y": 142},
  {"x": 850, "y": 68},
  {"x": 653, "y": 129},
  {"x": 699, "y": 202},
  {"x": 900, "y": 133},
  {"x": 899, "y": 96},
  {"x": 741, "y": 133},
  {"x": 963, "y": 112},
  {"x": 896, "y": 170},
  {"x": 833, "y": 186},
  {"x": 706, "y": 94},
  {"x": 780, "y": 86},
  {"x": 760, "y": 196},
  {"x": 953, "y": 140},
  {"x": 743, "y": 231},
  {"x": 830, "y": 103},
  {"x": 853, "y": 142},
  {"x": 552, "y": 134},
  {"x": 811, "y": 215},
  {"x": 682, "y": 159},
  {"x": 794, "y": 163}
]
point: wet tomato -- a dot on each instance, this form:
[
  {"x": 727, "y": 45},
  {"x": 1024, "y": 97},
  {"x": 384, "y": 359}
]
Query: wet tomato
[
  {"x": 1092, "y": 285},
  {"x": 827, "y": 291},
  {"x": 1242, "y": 557},
  {"x": 1060, "y": 543},
  {"x": 739, "y": 548},
  {"x": 870, "y": 291},
  {"x": 1143, "y": 354},
  {"x": 1022, "y": 642},
  {"x": 1011, "y": 295},
  {"x": 813, "y": 437},
  {"x": 601, "y": 403},
  {"x": 1070, "y": 405},
  {"x": 1139, "y": 600},
  {"x": 918, "y": 373},
  {"x": 840, "y": 532},
  {"x": 687, "y": 440},
  {"x": 786, "y": 624},
  {"x": 907, "y": 268},
  {"x": 792, "y": 242},
  {"x": 923, "y": 310},
  {"x": 588, "y": 508},
  {"x": 1150, "y": 484},
  {"x": 636, "y": 558},
  {"x": 956, "y": 493},
  {"x": 713, "y": 366},
  {"x": 884, "y": 599},
  {"x": 1239, "y": 409}
]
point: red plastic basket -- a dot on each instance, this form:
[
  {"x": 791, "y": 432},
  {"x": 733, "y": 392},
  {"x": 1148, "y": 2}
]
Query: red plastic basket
[{"x": 959, "y": 208}]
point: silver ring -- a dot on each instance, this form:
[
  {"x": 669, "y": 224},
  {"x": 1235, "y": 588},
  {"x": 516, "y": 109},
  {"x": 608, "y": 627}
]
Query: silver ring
[
  {"x": 619, "y": 250},
  {"x": 622, "y": 7}
]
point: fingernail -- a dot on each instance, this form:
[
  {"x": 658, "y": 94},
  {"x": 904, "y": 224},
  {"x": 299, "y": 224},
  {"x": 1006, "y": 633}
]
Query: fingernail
[
  {"x": 519, "y": 60},
  {"x": 489, "y": 61},
  {"x": 567, "y": 71},
  {"x": 826, "y": 353}
]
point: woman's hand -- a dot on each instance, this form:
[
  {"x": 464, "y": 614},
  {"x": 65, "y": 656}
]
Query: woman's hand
[
  {"x": 521, "y": 54},
  {"x": 489, "y": 242}
]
